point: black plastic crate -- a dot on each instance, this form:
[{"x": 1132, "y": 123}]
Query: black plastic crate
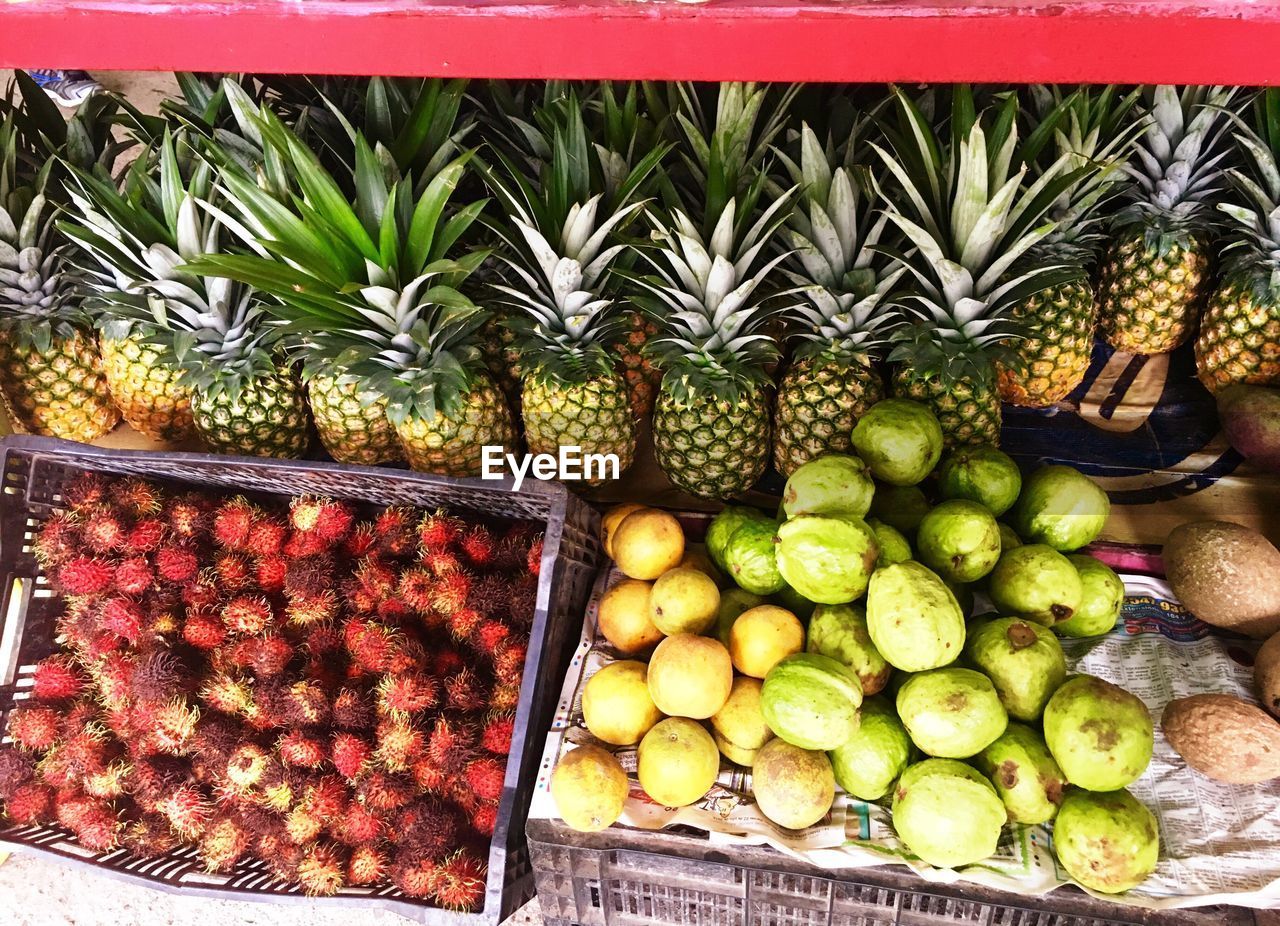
[
  {"x": 33, "y": 472},
  {"x": 628, "y": 877}
]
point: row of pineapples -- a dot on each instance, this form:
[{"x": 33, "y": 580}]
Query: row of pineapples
[{"x": 431, "y": 255}]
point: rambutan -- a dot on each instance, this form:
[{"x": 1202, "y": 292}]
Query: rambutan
[
  {"x": 233, "y": 522},
  {"x": 302, "y": 826},
  {"x": 360, "y": 599},
  {"x": 508, "y": 660},
  {"x": 247, "y": 766},
  {"x": 85, "y": 575},
  {"x": 489, "y": 595},
  {"x": 396, "y": 530},
  {"x": 478, "y": 547},
  {"x": 377, "y": 576},
  {"x": 16, "y": 769},
  {"x": 232, "y": 572},
  {"x": 93, "y": 820},
  {"x": 34, "y": 728},
  {"x": 56, "y": 679},
  {"x": 505, "y": 696},
  {"x": 177, "y": 564},
  {"x": 246, "y": 615},
  {"x": 360, "y": 542},
  {"x": 322, "y": 871},
  {"x": 414, "y": 589},
  {"x": 398, "y": 743},
  {"x": 146, "y": 535},
  {"x": 522, "y": 600},
  {"x": 134, "y": 576},
  {"x": 371, "y": 645},
  {"x": 489, "y": 634},
  {"x": 102, "y": 531},
  {"x": 173, "y": 725},
  {"x": 408, "y": 658},
  {"x": 300, "y": 750},
  {"x": 430, "y": 776},
  {"x": 328, "y": 519},
  {"x": 308, "y": 576},
  {"x": 322, "y": 640},
  {"x": 406, "y": 694},
  {"x": 279, "y": 854},
  {"x": 485, "y": 778},
  {"x": 394, "y": 611},
  {"x": 148, "y": 836},
  {"x": 349, "y": 754},
  {"x": 306, "y": 705},
  {"x": 225, "y": 693},
  {"x": 459, "y": 882},
  {"x": 113, "y": 673},
  {"x": 485, "y": 818},
  {"x": 267, "y": 537},
  {"x": 163, "y": 614},
  {"x": 465, "y": 691},
  {"x": 327, "y": 797},
  {"x": 447, "y": 661},
  {"x": 351, "y": 710},
  {"x": 438, "y": 531},
  {"x": 495, "y": 735},
  {"x": 203, "y": 631},
  {"x": 358, "y": 826},
  {"x": 269, "y": 655},
  {"x": 223, "y": 843},
  {"x": 188, "y": 516},
  {"x": 137, "y": 496},
  {"x": 152, "y": 779},
  {"x": 367, "y": 865},
  {"x": 384, "y": 792},
  {"x": 107, "y": 783},
  {"x": 202, "y": 594},
  {"x": 158, "y": 676},
  {"x": 450, "y": 593},
  {"x": 414, "y": 874},
  {"x": 303, "y": 611},
  {"x": 270, "y": 571},
  {"x": 464, "y": 622},
  {"x": 534, "y": 560},
  {"x": 86, "y": 491},
  {"x": 85, "y": 747},
  {"x": 442, "y": 563},
  {"x": 58, "y": 771},
  {"x": 428, "y": 827},
  {"x": 450, "y": 743}
]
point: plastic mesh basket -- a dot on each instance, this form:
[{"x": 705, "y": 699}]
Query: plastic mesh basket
[{"x": 33, "y": 472}]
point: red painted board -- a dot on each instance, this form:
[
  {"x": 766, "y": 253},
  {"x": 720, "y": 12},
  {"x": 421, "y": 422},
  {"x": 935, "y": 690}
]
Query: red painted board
[{"x": 995, "y": 40}]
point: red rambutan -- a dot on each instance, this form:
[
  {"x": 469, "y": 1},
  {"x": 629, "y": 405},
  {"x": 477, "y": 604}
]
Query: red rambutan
[
  {"x": 247, "y": 765},
  {"x": 114, "y": 675},
  {"x": 203, "y": 631},
  {"x": 414, "y": 589},
  {"x": 414, "y": 874},
  {"x": 396, "y": 530},
  {"x": 300, "y": 750},
  {"x": 534, "y": 560},
  {"x": 202, "y": 594},
  {"x": 485, "y": 818},
  {"x": 232, "y": 572},
  {"x": 450, "y": 743},
  {"x": 34, "y": 728},
  {"x": 450, "y": 593},
  {"x": 148, "y": 836},
  {"x": 327, "y": 797},
  {"x": 406, "y": 694},
  {"x": 438, "y": 531},
  {"x": 246, "y": 615},
  {"x": 186, "y": 809},
  {"x": 188, "y": 516},
  {"x": 371, "y": 645},
  {"x": 177, "y": 564},
  {"x": 270, "y": 572},
  {"x": 367, "y": 865},
  {"x": 358, "y": 826},
  {"x": 399, "y": 742},
  {"x": 377, "y": 576},
  {"x": 447, "y": 661},
  {"x": 92, "y": 820},
  {"x": 328, "y": 519},
  {"x": 269, "y": 655},
  {"x": 85, "y": 575},
  {"x": 349, "y": 754},
  {"x": 146, "y": 535},
  {"x": 173, "y": 725},
  {"x": 134, "y": 575},
  {"x": 489, "y": 634},
  {"x": 478, "y": 546},
  {"x": 137, "y": 496},
  {"x": 303, "y": 611},
  {"x": 56, "y": 679},
  {"x": 103, "y": 532},
  {"x": 322, "y": 871},
  {"x": 223, "y": 843},
  {"x": 430, "y": 777},
  {"x": 464, "y": 622},
  {"x": 322, "y": 639},
  {"x": 508, "y": 660},
  {"x": 505, "y": 696},
  {"x": 459, "y": 882},
  {"x": 57, "y": 540},
  {"x": 360, "y": 542},
  {"x": 351, "y": 710},
  {"x": 30, "y": 804},
  {"x": 383, "y": 792},
  {"x": 442, "y": 563},
  {"x": 87, "y": 490},
  {"x": 465, "y": 691},
  {"x": 306, "y": 705},
  {"x": 266, "y": 537},
  {"x": 485, "y": 778},
  {"x": 233, "y": 522},
  {"x": 496, "y": 734}
]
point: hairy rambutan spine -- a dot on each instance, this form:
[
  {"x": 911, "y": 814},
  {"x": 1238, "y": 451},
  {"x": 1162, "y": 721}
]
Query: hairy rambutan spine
[
  {"x": 496, "y": 734},
  {"x": 322, "y": 871},
  {"x": 459, "y": 882},
  {"x": 406, "y": 694},
  {"x": 233, "y": 522},
  {"x": 399, "y": 742},
  {"x": 485, "y": 778},
  {"x": 350, "y": 754},
  {"x": 146, "y": 535},
  {"x": 56, "y": 678},
  {"x": 438, "y": 531},
  {"x": 246, "y": 615},
  {"x": 367, "y": 865},
  {"x": 177, "y": 564},
  {"x": 300, "y": 750},
  {"x": 204, "y": 631},
  {"x": 34, "y": 728},
  {"x": 134, "y": 576},
  {"x": 478, "y": 547},
  {"x": 30, "y": 804},
  {"x": 85, "y": 575}
]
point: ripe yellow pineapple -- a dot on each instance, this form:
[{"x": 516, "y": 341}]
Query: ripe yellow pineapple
[{"x": 145, "y": 389}]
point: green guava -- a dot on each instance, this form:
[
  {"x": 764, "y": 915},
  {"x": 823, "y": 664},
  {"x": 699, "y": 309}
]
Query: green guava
[
  {"x": 787, "y": 597},
  {"x": 1024, "y": 774},
  {"x": 1008, "y": 538},
  {"x": 947, "y": 813},
  {"x": 894, "y": 547},
  {"x": 834, "y": 484},
  {"x": 840, "y": 631},
  {"x": 1023, "y": 660},
  {"x": 1037, "y": 582},
  {"x": 751, "y": 559},
  {"x": 722, "y": 526},
  {"x": 732, "y": 603},
  {"x": 913, "y": 618},
  {"x": 1100, "y": 735},
  {"x": 951, "y": 713},
  {"x": 868, "y": 764},
  {"x": 982, "y": 474},
  {"x": 959, "y": 540},
  {"x": 1101, "y": 601},
  {"x": 900, "y": 440},
  {"x": 901, "y": 507},
  {"x": 811, "y": 701},
  {"x": 1108, "y": 842},
  {"x": 827, "y": 560},
  {"x": 1061, "y": 507}
]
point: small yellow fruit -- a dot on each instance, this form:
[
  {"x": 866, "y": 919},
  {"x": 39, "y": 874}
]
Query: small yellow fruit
[
  {"x": 793, "y": 787},
  {"x": 647, "y": 543},
  {"x": 589, "y": 788},
  {"x": 677, "y": 762},
  {"x": 684, "y": 601},
  {"x": 616, "y": 705},
  {"x": 690, "y": 676},
  {"x": 696, "y": 557},
  {"x": 762, "y": 637},
  {"x": 739, "y": 726},
  {"x": 624, "y": 617},
  {"x": 610, "y": 520}
]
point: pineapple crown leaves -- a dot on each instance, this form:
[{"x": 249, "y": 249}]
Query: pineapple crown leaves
[
  {"x": 1176, "y": 170},
  {"x": 1252, "y": 249},
  {"x": 705, "y": 295}
]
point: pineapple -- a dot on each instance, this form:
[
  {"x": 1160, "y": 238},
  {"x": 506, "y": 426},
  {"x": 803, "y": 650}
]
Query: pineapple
[
  {"x": 970, "y": 216},
  {"x": 211, "y": 333},
  {"x": 559, "y": 242},
  {"x": 1239, "y": 339},
  {"x": 146, "y": 391},
  {"x": 1155, "y": 277},
  {"x": 51, "y": 377},
  {"x": 842, "y": 328},
  {"x": 1092, "y": 127},
  {"x": 372, "y": 302}
]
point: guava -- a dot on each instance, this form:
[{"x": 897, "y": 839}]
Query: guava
[
  {"x": 913, "y": 618},
  {"x": 834, "y": 484},
  {"x": 947, "y": 813},
  {"x": 722, "y": 526},
  {"x": 894, "y": 547},
  {"x": 811, "y": 701},
  {"x": 1101, "y": 601},
  {"x": 951, "y": 713},
  {"x": 840, "y": 631},
  {"x": 1024, "y": 774},
  {"x": 959, "y": 540},
  {"x": 793, "y": 601},
  {"x": 900, "y": 440},
  {"x": 868, "y": 764},
  {"x": 1061, "y": 507},
  {"x": 1108, "y": 842},
  {"x": 1023, "y": 660},
  {"x": 732, "y": 603},
  {"x": 1008, "y": 538},
  {"x": 1037, "y": 582},
  {"x": 1100, "y": 735},
  {"x": 793, "y": 787},
  {"x": 827, "y": 560},
  {"x": 901, "y": 507},
  {"x": 751, "y": 560},
  {"x": 982, "y": 474}
]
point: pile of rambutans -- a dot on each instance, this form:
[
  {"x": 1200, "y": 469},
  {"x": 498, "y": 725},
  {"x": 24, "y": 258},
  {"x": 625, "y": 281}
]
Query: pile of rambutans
[{"x": 333, "y": 696}]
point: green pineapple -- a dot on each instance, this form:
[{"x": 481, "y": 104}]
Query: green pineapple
[
  {"x": 1155, "y": 277},
  {"x": 1239, "y": 339},
  {"x": 971, "y": 216},
  {"x": 372, "y": 301},
  {"x": 842, "y": 329},
  {"x": 1093, "y": 129}
]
